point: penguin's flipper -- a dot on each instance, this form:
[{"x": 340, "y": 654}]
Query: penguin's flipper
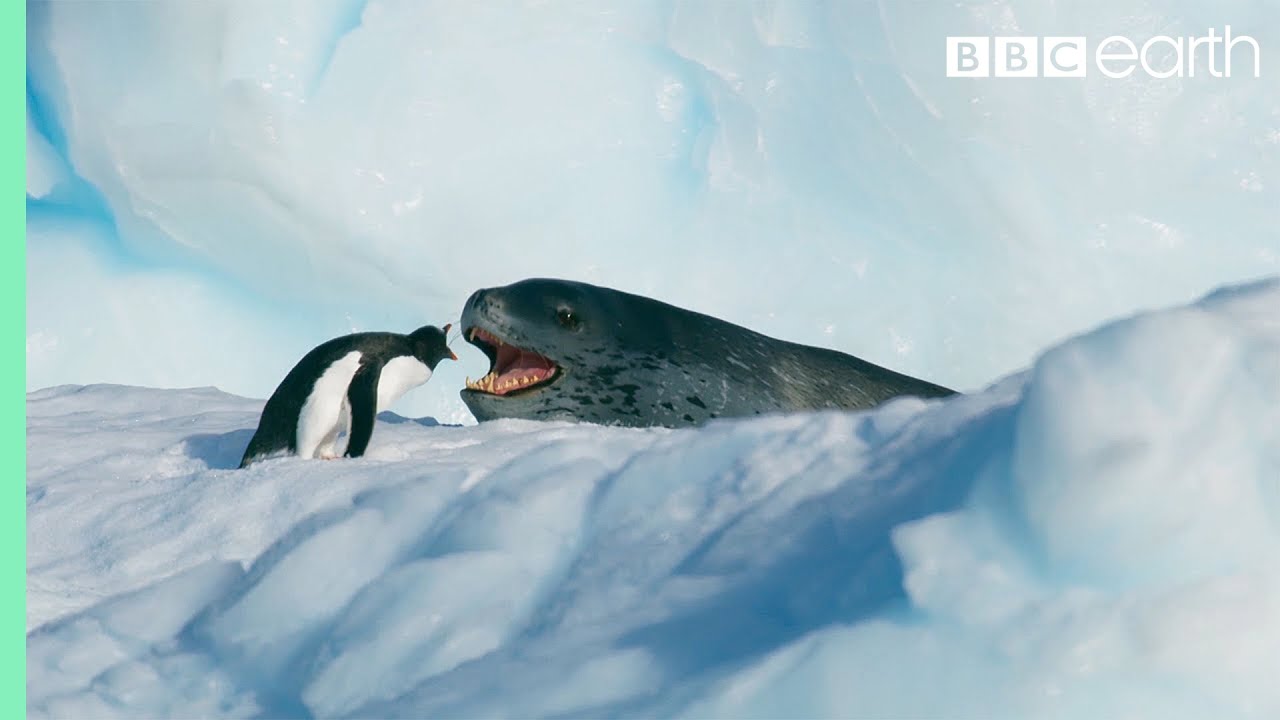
[{"x": 363, "y": 396}]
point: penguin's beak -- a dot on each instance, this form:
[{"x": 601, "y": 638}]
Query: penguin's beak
[{"x": 447, "y": 326}]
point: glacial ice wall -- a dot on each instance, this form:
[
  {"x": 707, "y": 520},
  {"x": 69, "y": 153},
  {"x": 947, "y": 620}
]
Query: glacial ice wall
[{"x": 216, "y": 187}]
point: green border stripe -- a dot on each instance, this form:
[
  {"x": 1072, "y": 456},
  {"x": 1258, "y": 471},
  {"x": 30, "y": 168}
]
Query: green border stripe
[{"x": 13, "y": 531}]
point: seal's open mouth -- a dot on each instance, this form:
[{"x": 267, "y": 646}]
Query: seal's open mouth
[{"x": 511, "y": 369}]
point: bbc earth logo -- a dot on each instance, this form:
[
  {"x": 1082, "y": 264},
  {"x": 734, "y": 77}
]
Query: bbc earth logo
[{"x": 1115, "y": 57}]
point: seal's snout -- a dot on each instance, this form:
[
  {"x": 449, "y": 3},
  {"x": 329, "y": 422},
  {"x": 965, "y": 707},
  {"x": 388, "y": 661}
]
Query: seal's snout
[
  {"x": 482, "y": 304},
  {"x": 472, "y": 302},
  {"x": 472, "y": 310}
]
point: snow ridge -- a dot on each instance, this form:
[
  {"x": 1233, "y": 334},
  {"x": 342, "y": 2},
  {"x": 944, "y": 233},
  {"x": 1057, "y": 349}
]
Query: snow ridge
[{"x": 1097, "y": 535}]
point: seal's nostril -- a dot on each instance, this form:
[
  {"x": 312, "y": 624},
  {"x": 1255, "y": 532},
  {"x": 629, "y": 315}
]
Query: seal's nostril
[{"x": 475, "y": 303}]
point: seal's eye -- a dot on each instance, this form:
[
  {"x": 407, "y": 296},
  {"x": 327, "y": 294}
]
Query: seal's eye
[{"x": 567, "y": 318}]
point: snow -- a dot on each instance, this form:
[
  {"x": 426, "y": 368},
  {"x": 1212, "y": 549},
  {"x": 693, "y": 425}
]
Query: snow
[
  {"x": 313, "y": 168},
  {"x": 1095, "y": 537}
]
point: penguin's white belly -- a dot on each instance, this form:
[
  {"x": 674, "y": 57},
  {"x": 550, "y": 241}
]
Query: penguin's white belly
[
  {"x": 399, "y": 376},
  {"x": 326, "y": 412}
]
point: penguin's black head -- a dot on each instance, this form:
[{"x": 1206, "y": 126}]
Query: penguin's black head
[{"x": 431, "y": 345}]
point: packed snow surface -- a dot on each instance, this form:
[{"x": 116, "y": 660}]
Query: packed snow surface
[
  {"x": 255, "y": 178},
  {"x": 1096, "y": 537}
]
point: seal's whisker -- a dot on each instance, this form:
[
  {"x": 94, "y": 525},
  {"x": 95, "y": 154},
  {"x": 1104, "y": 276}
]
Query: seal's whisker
[{"x": 455, "y": 332}]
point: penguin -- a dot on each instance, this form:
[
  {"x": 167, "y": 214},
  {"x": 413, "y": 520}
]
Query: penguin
[{"x": 342, "y": 385}]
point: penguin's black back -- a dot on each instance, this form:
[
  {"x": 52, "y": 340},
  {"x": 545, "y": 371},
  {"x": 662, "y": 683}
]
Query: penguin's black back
[{"x": 278, "y": 429}]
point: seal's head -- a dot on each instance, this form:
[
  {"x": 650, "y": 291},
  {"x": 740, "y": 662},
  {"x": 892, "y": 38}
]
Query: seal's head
[{"x": 547, "y": 341}]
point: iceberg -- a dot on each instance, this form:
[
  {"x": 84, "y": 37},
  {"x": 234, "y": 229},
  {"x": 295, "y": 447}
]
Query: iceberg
[{"x": 803, "y": 169}]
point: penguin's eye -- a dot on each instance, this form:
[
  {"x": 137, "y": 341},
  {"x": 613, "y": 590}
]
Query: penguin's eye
[{"x": 567, "y": 318}]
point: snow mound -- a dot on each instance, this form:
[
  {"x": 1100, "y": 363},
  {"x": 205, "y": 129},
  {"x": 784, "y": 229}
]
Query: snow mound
[
  {"x": 334, "y": 165},
  {"x": 1096, "y": 537}
]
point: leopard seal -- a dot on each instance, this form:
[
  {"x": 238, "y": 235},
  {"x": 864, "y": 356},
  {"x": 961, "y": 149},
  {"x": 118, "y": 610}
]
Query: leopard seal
[{"x": 565, "y": 350}]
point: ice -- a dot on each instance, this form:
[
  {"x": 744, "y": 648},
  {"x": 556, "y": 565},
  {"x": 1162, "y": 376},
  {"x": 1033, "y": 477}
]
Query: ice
[
  {"x": 46, "y": 170},
  {"x": 1093, "y": 537},
  {"x": 165, "y": 325},
  {"x": 802, "y": 168},
  {"x": 1178, "y": 430}
]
